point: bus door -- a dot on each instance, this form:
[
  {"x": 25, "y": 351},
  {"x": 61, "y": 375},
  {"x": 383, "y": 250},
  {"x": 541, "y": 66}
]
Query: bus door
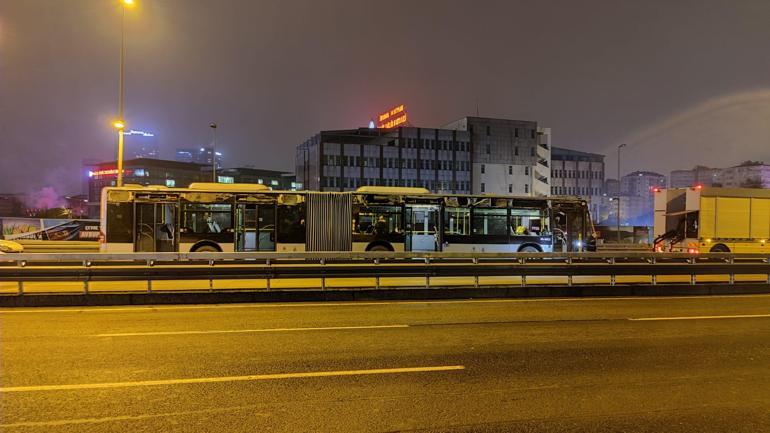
[
  {"x": 421, "y": 227},
  {"x": 156, "y": 227},
  {"x": 569, "y": 229},
  {"x": 255, "y": 227}
]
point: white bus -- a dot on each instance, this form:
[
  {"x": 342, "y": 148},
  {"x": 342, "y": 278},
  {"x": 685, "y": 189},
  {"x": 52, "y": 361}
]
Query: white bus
[{"x": 245, "y": 217}]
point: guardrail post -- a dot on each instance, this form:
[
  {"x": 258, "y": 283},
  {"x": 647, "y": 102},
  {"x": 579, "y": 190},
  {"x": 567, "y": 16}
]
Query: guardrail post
[
  {"x": 476, "y": 274},
  {"x": 732, "y": 272},
  {"x": 86, "y": 264},
  {"x": 21, "y": 264},
  {"x": 427, "y": 273},
  {"x": 768, "y": 274},
  {"x": 377, "y": 275},
  {"x": 150, "y": 263},
  {"x": 267, "y": 278},
  {"x": 693, "y": 278},
  {"x": 613, "y": 277},
  {"x": 211, "y": 276},
  {"x": 523, "y": 261},
  {"x": 569, "y": 277},
  {"x": 323, "y": 274},
  {"x": 653, "y": 261}
]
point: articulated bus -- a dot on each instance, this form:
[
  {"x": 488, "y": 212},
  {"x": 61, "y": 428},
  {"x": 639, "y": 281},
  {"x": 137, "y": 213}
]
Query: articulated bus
[{"x": 210, "y": 217}]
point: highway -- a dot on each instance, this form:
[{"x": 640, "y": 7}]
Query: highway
[{"x": 673, "y": 364}]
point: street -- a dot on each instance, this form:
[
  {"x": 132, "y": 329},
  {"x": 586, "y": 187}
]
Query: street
[{"x": 674, "y": 364}]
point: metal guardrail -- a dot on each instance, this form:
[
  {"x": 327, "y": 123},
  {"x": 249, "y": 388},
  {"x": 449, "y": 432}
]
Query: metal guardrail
[{"x": 87, "y": 268}]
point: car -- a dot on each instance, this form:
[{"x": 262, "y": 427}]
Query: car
[{"x": 10, "y": 247}]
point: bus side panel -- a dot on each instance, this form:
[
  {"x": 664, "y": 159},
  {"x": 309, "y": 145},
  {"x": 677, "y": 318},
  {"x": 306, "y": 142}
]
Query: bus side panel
[
  {"x": 733, "y": 217},
  {"x": 290, "y": 248},
  {"x": 760, "y": 218},
  {"x": 707, "y": 228}
]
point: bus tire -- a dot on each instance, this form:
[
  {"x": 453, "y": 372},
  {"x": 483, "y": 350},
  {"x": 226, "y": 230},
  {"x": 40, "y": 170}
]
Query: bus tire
[
  {"x": 379, "y": 247},
  {"x": 530, "y": 248},
  {"x": 720, "y": 248},
  {"x": 206, "y": 247}
]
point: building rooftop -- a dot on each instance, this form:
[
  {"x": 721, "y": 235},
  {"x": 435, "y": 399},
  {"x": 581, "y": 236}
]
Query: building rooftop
[{"x": 560, "y": 152}]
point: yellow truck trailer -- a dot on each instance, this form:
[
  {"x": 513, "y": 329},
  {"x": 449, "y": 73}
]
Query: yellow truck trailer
[{"x": 712, "y": 220}]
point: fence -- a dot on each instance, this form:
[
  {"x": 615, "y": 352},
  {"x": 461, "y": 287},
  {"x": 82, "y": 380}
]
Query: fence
[{"x": 89, "y": 268}]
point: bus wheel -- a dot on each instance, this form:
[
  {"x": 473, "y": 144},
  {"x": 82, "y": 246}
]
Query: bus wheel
[
  {"x": 379, "y": 247},
  {"x": 205, "y": 247},
  {"x": 720, "y": 248},
  {"x": 529, "y": 249}
]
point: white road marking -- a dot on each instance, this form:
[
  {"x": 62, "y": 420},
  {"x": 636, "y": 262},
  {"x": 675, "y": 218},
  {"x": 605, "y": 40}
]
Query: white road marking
[
  {"x": 358, "y": 304},
  {"x": 254, "y": 377},
  {"x": 739, "y": 316},
  {"x": 239, "y": 331},
  {"x": 76, "y": 421}
]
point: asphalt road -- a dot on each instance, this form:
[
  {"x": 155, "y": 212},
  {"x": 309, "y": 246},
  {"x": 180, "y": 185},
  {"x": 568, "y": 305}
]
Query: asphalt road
[{"x": 691, "y": 365}]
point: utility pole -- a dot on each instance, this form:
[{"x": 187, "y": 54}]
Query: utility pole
[
  {"x": 618, "y": 215},
  {"x": 213, "y": 127}
]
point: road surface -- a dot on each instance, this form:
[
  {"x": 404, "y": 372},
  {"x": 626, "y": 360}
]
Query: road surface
[{"x": 673, "y": 364}]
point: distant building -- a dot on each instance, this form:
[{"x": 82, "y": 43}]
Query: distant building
[
  {"x": 272, "y": 178},
  {"x": 637, "y": 201},
  {"x": 12, "y": 205},
  {"x": 581, "y": 174},
  {"x": 699, "y": 175},
  {"x": 747, "y": 175},
  {"x": 142, "y": 171},
  {"x": 507, "y": 156},
  {"x": 344, "y": 160},
  {"x": 140, "y": 144},
  {"x": 199, "y": 155}
]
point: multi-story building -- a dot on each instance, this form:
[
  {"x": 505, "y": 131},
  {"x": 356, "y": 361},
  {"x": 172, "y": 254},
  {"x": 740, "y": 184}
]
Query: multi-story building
[
  {"x": 436, "y": 159},
  {"x": 272, "y": 178},
  {"x": 140, "y": 144},
  {"x": 699, "y": 175},
  {"x": 581, "y": 174},
  {"x": 507, "y": 156},
  {"x": 750, "y": 174},
  {"x": 12, "y": 205},
  {"x": 201, "y": 155},
  {"x": 637, "y": 199},
  {"x": 142, "y": 171}
]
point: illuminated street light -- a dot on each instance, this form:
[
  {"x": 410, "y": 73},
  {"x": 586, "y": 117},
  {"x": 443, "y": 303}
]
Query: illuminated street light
[{"x": 119, "y": 125}]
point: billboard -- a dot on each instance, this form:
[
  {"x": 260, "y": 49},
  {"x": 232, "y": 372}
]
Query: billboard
[
  {"x": 49, "y": 229},
  {"x": 392, "y": 118}
]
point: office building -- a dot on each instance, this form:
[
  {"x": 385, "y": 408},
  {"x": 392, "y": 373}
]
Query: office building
[
  {"x": 580, "y": 174},
  {"x": 637, "y": 200},
  {"x": 142, "y": 171},
  {"x": 507, "y": 156},
  {"x": 344, "y": 160},
  {"x": 272, "y": 178},
  {"x": 199, "y": 155},
  {"x": 750, "y": 174}
]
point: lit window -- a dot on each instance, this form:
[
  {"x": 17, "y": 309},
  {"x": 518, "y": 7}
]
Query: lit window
[
  {"x": 274, "y": 182},
  {"x": 170, "y": 183},
  {"x": 225, "y": 179}
]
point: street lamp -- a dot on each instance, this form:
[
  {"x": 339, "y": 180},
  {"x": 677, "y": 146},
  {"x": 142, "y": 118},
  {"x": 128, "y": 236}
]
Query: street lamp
[
  {"x": 213, "y": 127},
  {"x": 119, "y": 124},
  {"x": 618, "y": 215}
]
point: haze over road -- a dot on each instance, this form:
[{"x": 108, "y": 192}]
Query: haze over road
[{"x": 623, "y": 364}]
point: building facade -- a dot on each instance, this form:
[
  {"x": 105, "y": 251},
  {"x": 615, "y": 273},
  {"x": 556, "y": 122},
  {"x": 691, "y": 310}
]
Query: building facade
[
  {"x": 507, "y": 156},
  {"x": 272, "y": 178},
  {"x": 746, "y": 175},
  {"x": 200, "y": 155},
  {"x": 700, "y": 175},
  {"x": 142, "y": 171},
  {"x": 344, "y": 160},
  {"x": 580, "y": 174},
  {"x": 637, "y": 201}
]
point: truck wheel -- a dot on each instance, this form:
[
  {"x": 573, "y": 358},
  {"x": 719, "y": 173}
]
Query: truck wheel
[{"x": 720, "y": 248}]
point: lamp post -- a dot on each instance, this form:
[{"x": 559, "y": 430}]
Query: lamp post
[
  {"x": 618, "y": 215},
  {"x": 120, "y": 124},
  {"x": 213, "y": 127}
]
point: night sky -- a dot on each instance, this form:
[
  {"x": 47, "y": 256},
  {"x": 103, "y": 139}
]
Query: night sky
[{"x": 683, "y": 82}]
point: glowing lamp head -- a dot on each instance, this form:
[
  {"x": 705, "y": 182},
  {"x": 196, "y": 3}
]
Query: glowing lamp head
[
  {"x": 128, "y": 3},
  {"x": 119, "y": 125}
]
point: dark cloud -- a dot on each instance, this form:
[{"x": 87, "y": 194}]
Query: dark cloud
[{"x": 684, "y": 82}]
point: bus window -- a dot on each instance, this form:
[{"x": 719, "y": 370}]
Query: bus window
[
  {"x": 381, "y": 221},
  {"x": 203, "y": 218},
  {"x": 120, "y": 221},
  {"x": 490, "y": 222},
  {"x": 527, "y": 222},
  {"x": 291, "y": 224},
  {"x": 457, "y": 221}
]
